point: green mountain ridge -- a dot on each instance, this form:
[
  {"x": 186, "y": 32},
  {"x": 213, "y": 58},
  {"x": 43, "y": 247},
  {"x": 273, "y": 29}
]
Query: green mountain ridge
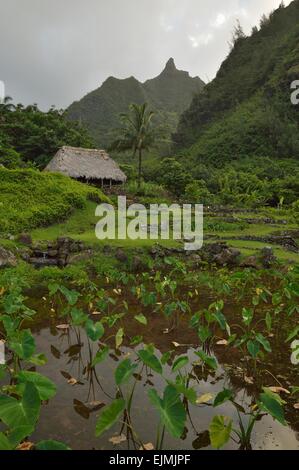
[
  {"x": 246, "y": 110},
  {"x": 169, "y": 95}
]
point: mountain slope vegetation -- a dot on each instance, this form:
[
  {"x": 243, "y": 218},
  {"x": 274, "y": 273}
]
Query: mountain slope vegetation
[
  {"x": 246, "y": 110},
  {"x": 169, "y": 95}
]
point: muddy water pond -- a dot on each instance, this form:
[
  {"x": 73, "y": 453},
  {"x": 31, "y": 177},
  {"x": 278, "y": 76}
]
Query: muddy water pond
[{"x": 71, "y": 415}]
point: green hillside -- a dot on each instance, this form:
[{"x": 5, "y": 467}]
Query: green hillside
[
  {"x": 246, "y": 110},
  {"x": 29, "y": 199},
  {"x": 169, "y": 95}
]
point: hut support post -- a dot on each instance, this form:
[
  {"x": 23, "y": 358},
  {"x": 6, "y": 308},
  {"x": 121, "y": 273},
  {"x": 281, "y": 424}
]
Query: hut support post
[{"x": 110, "y": 183}]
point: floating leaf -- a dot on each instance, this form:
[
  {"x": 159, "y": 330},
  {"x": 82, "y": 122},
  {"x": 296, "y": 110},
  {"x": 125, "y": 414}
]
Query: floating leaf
[
  {"x": 26, "y": 445},
  {"x": 205, "y": 398},
  {"x": 220, "y": 430},
  {"x": 118, "y": 439},
  {"x": 63, "y": 326},
  {"x": 264, "y": 342},
  {"x": 148, "y": 446},
  {"x": 247, "y": 315}
]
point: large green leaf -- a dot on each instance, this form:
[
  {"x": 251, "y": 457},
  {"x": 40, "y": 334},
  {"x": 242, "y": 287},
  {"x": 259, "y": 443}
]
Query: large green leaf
[
  {"x": 94, "y": 330},
  {"x": 272, "y": 403},
  {"x": 220, "y": 430},
  {"x": 150, "y": 360},
  {"x": 222, "y": 397},
  {"x": 208, "y": 360},
  {"x": 4, "y": 442},
  {"x": 247, "y": 315},
  {"x": 22, "y": 412},
  {"x": 124, "y": 372},
  {"x": 46, "y": 388},
  {"x": 253, "y": 348},
  {"x": 264, "y": 342},
  {"x": 179, "y": 363},
  {"x": 109, "y": 416},
  {"x": 171, "y": 410},
  {"x": 141, "y": 319},
  {"x": 51, "y": 445},
  {"x": 24, "y": 346},
  {"x": 100, "y": 356}
]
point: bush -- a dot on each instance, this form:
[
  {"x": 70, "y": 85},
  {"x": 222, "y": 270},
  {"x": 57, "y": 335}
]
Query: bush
[
  {"x": 198, "y": 193},
  {"x": 30, "y": 199}
]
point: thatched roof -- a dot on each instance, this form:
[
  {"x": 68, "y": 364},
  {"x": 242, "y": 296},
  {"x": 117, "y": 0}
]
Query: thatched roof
[{"x": 91, "y": 164}]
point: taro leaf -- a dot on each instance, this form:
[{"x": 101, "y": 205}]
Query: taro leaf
[
  {"x": 119, "y": 338},
  {"x": 18, "y": 434},
  {"x": 78, "y": 316},
  {"x": 171, "y": 410},
  {"x": 38, "y": 359},
  {"x": 70, "y": 295},
  {"x": 247, "y": 315},
  {"x": 22, "y": 412},
  {"x": 45, "y": 387},
  {"x": 25, "y": 347},
  {"x": 141, "y": 319},
  {"x": 204, "y": 333},
  {"x": 220, "y": 430},
  {"x": 179, "y": 363},
  {"x": 124, "y": 372},
  {"x": 189, "y": 393},
  {"x": 100, "y": 356},
  {"x": 264, "y": 342},
  {"x": 221, "y": 320},
  {"x": 4, "y": 443},
  {"x": 253, "y": 348},
  {"x": 94, "y": 331},
  {"x": 51, "y": 445},
  {"x": 150, "y": 360},
  {"x": 109, "y": 416},
  {"x": 166, "y": 357},
  {"x": 222, "y": 397},
  {"x": 272, "y": 404},
  {"x": 208, "y": 360},
  {"x": 136, "y": 340},
  {"x": 293, "y": 334}
]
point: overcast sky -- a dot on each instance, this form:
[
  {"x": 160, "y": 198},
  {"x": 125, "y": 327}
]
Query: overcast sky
[{"x": 55, "y": 51}]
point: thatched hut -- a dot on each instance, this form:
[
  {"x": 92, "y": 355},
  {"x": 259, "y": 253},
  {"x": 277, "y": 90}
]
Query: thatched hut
[{"x": 87, "y": 165}]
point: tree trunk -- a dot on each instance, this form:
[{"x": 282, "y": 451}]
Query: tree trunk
[{"x": 139, "y": 167}]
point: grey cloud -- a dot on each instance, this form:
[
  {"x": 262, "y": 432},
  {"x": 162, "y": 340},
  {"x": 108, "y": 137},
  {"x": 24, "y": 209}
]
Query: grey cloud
[{"x": 55, "y": 51}]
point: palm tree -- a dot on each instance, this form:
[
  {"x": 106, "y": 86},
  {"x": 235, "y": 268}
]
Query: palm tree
[
  {"x": 137, "y": 133},
  {"x": 6, "y": 104}
]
